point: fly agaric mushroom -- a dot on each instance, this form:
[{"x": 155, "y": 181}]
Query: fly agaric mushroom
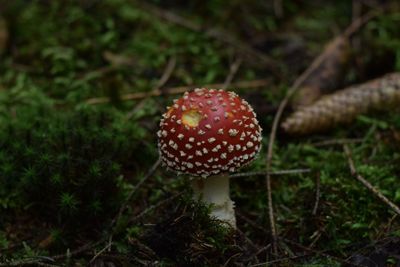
[{"x": 207, "y": 134}]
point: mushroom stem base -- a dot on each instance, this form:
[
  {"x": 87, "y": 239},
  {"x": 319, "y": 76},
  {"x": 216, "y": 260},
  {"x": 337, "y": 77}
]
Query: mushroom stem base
[{"x": 215, "y": 190}]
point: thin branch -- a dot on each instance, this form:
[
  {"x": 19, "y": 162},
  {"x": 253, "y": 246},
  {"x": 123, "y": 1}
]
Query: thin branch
[
  {"x": 315, "y": 237},
  {"x": 361, "y": 21},
  {"x": 248, "y": 240},
  {"x": 367, "y": 184},
  {"x": 77, "y": 251},
  {"x": 273, "y": 173},
  {"x": 227, "y": 263},
  {"x": 315, "y": 64},
  {"x": 161, "y": 82},
  {"x": 250, "y": 222},
  {"x": 167, "y": 72},
  {"x": 317, "y": 194},
  {"x": 133, "y": 191},
  {"x": 179, "y": 90},
  {"x": 30, "y": 262},
  {"x": 322, "y": 253},
  {"x": 155, "y": 206},
  {"x": 39, "y": 260},
  {"x": 232, "y": 72},
  {"x": 340, "y": 142},
  {"x": 278, "y": 8},
  {"x": 100, "y": 252}
]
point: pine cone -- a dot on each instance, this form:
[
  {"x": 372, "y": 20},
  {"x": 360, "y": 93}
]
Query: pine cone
[{"x": 345, "y": 105}]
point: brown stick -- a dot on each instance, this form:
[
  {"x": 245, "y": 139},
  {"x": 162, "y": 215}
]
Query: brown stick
[
  {"x": 367, "y": 184},
  {"x": 317, "y": 62},
  {"x": 133, "y": 191},
  {"x": 161, "y": 82},
  {"x": 179, "y": 90},
  {"x": 317, "y": 194},
  {"x": 275, "y": 173},
  {"x": 232, "y": 72},
  {"x": 153, "y": 207},
  {"x": 334, "y": 142}
]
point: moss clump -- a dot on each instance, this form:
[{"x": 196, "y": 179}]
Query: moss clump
[
  {"x": 65, "y": 168},
  {"x": 187, "y": 237}
]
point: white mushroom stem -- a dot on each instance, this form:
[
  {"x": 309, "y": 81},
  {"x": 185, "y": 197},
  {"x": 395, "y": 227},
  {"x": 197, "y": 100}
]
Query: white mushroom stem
[{"x": 215, "y": 190}]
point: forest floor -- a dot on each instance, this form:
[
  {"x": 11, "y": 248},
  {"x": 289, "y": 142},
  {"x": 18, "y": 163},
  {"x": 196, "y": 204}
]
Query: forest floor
[{"x": 83, "y": 85}]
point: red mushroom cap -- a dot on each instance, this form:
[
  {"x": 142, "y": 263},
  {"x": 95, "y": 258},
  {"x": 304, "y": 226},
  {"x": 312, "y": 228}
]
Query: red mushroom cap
[{"x": 208, "y": 132}]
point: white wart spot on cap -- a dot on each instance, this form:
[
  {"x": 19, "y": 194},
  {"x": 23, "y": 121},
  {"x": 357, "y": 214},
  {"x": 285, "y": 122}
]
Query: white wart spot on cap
[{"x": 233, "y": 132}]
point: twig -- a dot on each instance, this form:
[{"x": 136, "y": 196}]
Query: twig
[
  {"x": 232, "y": 72},
  {"x": 315, "y": 237},
  {"x": 360, "y": 247},
  {"x": 388, "y": 226},
  {"x": 317, "y": 194},
  {"x": 322, "y": 253},
  {"x": 77, "y": 251},
  {"x": 270, "y": 263},
  {"x": 317, "y": 62},
  {"x": 30, "y": 262},
  {"x": 133, "y": 191},
  {"x": 167, "y": 72},
  {"x": 356, "y": 12},
  {"x": 37, "y": 261},
  {"x": 227, "y": 263},
  {"x": 337, "y": 142},
  {"x": 274, "y": 173},
  {"x": 250, "y": 242},
  {"x": 161, "y": 82},
  {"x": 367, "y": 184},
  {"x": 4, "y": 34},
  {"x": 278, "y": 8},
  {"x": 153, "y": 207},
  {"x": 250, "y": 222},
  {"x": 100, "y": 252},
  {"x": 265, "y": 248},
  {"x": 361, "y": 21},
  {"x": 124, "y": 206},
  {"x": 314, "y": 65},
  {"x": 179, "y": 90}
]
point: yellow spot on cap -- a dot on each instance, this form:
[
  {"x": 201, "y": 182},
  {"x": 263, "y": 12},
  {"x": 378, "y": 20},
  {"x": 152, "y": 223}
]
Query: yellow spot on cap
[{"x": 191, "y": 117}]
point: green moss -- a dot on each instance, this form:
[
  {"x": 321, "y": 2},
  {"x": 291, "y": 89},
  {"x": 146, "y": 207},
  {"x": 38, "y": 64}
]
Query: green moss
[
  {"x": 66, "y": 167},
  {"x": 188, "y": 237}
]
